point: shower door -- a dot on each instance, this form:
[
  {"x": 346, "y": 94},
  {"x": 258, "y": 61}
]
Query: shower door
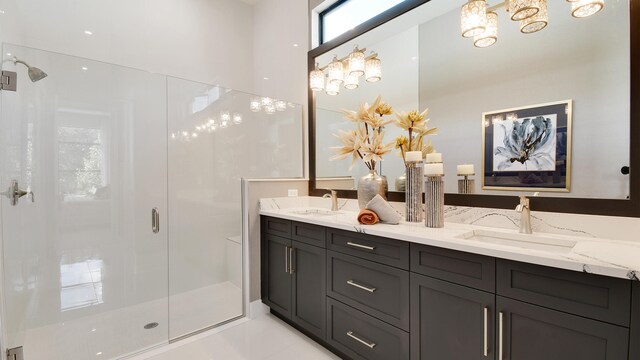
[{"x": 84, "y": 261}]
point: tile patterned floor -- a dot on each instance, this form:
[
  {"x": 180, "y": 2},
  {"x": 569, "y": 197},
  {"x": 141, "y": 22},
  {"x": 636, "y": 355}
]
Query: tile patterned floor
[{"x": 263, "y": 338}]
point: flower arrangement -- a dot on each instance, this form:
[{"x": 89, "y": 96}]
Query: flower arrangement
[
  {"x": 367, "y": 140},
  {"x": 416, "y": 126}
]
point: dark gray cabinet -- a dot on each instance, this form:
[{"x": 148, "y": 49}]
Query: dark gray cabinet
[
  {"x": 361, "y": 336},
  {"x": 530, "y": 332},
  {"x": 368, "y": 297},
  {"x": 379, "y": 290},
  {"x": 309, "y": 288},
  {"x": 294, "y": 277},
  {"x": 276, "y": 279},
  {"x": 588, "y": 295},
  {"x": 450, "y": 322}
]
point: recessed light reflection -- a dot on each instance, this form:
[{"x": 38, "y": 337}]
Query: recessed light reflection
[
  {"x": 9, "y": 54},
  {"x": 295, "y": 45},
  {"x": 88, "y": 32},
  {"x": 99, "y": 353},
  {"x": 84, "y": 68},
  {"x": 92, "y": 330},
  {"x": 2, "y": 12}
]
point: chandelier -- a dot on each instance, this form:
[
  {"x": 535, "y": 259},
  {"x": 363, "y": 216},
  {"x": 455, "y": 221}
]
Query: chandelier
[
  {"x": 480, "y": 22},
  {"x": 346, "y": 72}
]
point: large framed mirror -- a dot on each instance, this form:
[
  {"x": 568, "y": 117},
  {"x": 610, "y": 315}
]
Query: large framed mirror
[{"x": 587, "y": 68}]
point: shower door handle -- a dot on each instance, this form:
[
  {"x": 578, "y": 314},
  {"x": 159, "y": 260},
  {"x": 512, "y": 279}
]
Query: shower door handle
[{"x": 155, "y": 221}]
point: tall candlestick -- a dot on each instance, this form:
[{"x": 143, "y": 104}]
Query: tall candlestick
[
  {"x": 434, "y": 202},
  {"x": 413, "y": 191}
]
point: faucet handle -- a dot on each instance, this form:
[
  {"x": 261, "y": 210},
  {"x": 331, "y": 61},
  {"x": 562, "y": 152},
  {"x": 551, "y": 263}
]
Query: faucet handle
[{"x": 332, "y": 193}]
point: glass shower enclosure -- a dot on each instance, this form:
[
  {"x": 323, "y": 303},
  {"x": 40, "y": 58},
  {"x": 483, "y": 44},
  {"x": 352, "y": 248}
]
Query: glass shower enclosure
[{"x": 121, "y": 204}]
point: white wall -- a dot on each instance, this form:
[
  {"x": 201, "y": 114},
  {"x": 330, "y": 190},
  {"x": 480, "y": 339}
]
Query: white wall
[{"x": 203, "y": 40}]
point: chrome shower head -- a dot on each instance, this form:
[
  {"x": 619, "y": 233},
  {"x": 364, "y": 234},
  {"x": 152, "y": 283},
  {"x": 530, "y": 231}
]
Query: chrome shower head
[{"x": 35, "y": 74}]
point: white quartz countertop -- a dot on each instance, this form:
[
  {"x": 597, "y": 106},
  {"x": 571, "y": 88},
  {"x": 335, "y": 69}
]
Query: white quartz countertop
[{"x": 615, "y": 258}]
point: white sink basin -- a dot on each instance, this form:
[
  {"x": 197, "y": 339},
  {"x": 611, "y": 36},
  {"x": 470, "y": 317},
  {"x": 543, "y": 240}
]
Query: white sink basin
[
  {"x": 315, "y": 212},
  {"x": 541, "y": 242}
]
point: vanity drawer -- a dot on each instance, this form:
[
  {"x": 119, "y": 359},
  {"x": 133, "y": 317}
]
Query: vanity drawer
[
  {"x": 592, "y": 296},
  {"x": 476, "y": 271},
  {"x": 383, "y": 250},
  {"x": 276, "y": 226},
  {"x": 309, "y": 234},
  {"x": 378, "y": 290},
  {"x": 361, "y": 336}
]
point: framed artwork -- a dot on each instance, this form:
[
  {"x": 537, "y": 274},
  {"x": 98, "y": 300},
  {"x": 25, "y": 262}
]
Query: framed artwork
[{"x": 528, "y": 148}]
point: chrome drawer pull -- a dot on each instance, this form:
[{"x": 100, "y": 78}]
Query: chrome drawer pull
[
  {"x": 291, "y": 268},
  {"x": 486, "y": 332},
  {"x": 500, "y": 335},
  {"x": 370, "y": 345},
  {"x": 286, "y": 260},
  {"x": 353, "y": 283},
  {"x": 361, "y": 246}
]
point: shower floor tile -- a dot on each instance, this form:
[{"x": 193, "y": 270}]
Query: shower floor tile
[{"x": 263, "y": 338}]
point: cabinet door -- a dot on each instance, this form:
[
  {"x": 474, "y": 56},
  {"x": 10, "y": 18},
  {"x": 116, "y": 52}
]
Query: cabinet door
[
  {"x": 276, "y": 280},
  {"x": 309, "y": 288},
  {"x": 529, "y": 332},
  {"x": 450, "y": 322}
]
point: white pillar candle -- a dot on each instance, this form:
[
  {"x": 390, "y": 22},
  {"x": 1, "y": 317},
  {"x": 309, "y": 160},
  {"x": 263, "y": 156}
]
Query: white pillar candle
[
  {"x": 413, "y": 156},
  {"x": 433, "y": 169},
  {"x": 466, "y": 169},
  {"x": 434, "y": 158}
]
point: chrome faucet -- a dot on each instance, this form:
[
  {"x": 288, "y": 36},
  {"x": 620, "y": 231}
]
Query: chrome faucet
[
  {"x": 334, "y": 199},
  {"x": 525, "y": 215}
]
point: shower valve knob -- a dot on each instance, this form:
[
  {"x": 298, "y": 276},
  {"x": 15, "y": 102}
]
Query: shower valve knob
[{"x": 14, "y": 193}]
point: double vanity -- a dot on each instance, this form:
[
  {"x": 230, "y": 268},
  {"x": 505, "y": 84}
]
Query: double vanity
[{"x": 462, "y": 292}]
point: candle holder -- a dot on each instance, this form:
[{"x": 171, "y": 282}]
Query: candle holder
[
  {"x": 413, "y": 191},
  {"x": 466, "y": 185},
  {"x": 434, "y": 201}
]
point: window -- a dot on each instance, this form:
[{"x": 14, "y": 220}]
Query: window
[
  {"x": 81, "y": 163},
  {"x": 344, "y": 15}
]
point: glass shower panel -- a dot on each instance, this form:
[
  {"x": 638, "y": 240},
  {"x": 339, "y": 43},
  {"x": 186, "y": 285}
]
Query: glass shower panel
[
  {"x": 215, "y": 141},
  {"x": 84, "y": 274}
]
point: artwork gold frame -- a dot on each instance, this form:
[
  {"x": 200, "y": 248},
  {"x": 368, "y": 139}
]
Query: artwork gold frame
[{"x": 528, "y": 148}]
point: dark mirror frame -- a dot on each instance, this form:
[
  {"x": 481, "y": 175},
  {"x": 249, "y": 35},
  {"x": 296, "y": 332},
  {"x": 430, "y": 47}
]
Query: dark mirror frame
[{"x": 610, "y": 207}]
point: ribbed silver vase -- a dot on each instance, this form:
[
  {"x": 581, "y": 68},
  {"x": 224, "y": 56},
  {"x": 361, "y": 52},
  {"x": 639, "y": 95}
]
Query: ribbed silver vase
[
  {"x": 434, "y": 202},
  {"x": 371, "y": 185},
  {"x": 466, "y": 185},
  {"x": 413, "y": 191}
]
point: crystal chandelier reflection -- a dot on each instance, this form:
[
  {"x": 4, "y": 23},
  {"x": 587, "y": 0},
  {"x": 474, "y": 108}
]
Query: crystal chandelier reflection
[
  {"x": 536, "y": 22},
  {"x": 269, "y": 105},
  {"x": 481, "y": 22},
  {"x": 585, "y": 8},
  {"x": 490, "y": 34},
  {"x": 474, "y": 18}
]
